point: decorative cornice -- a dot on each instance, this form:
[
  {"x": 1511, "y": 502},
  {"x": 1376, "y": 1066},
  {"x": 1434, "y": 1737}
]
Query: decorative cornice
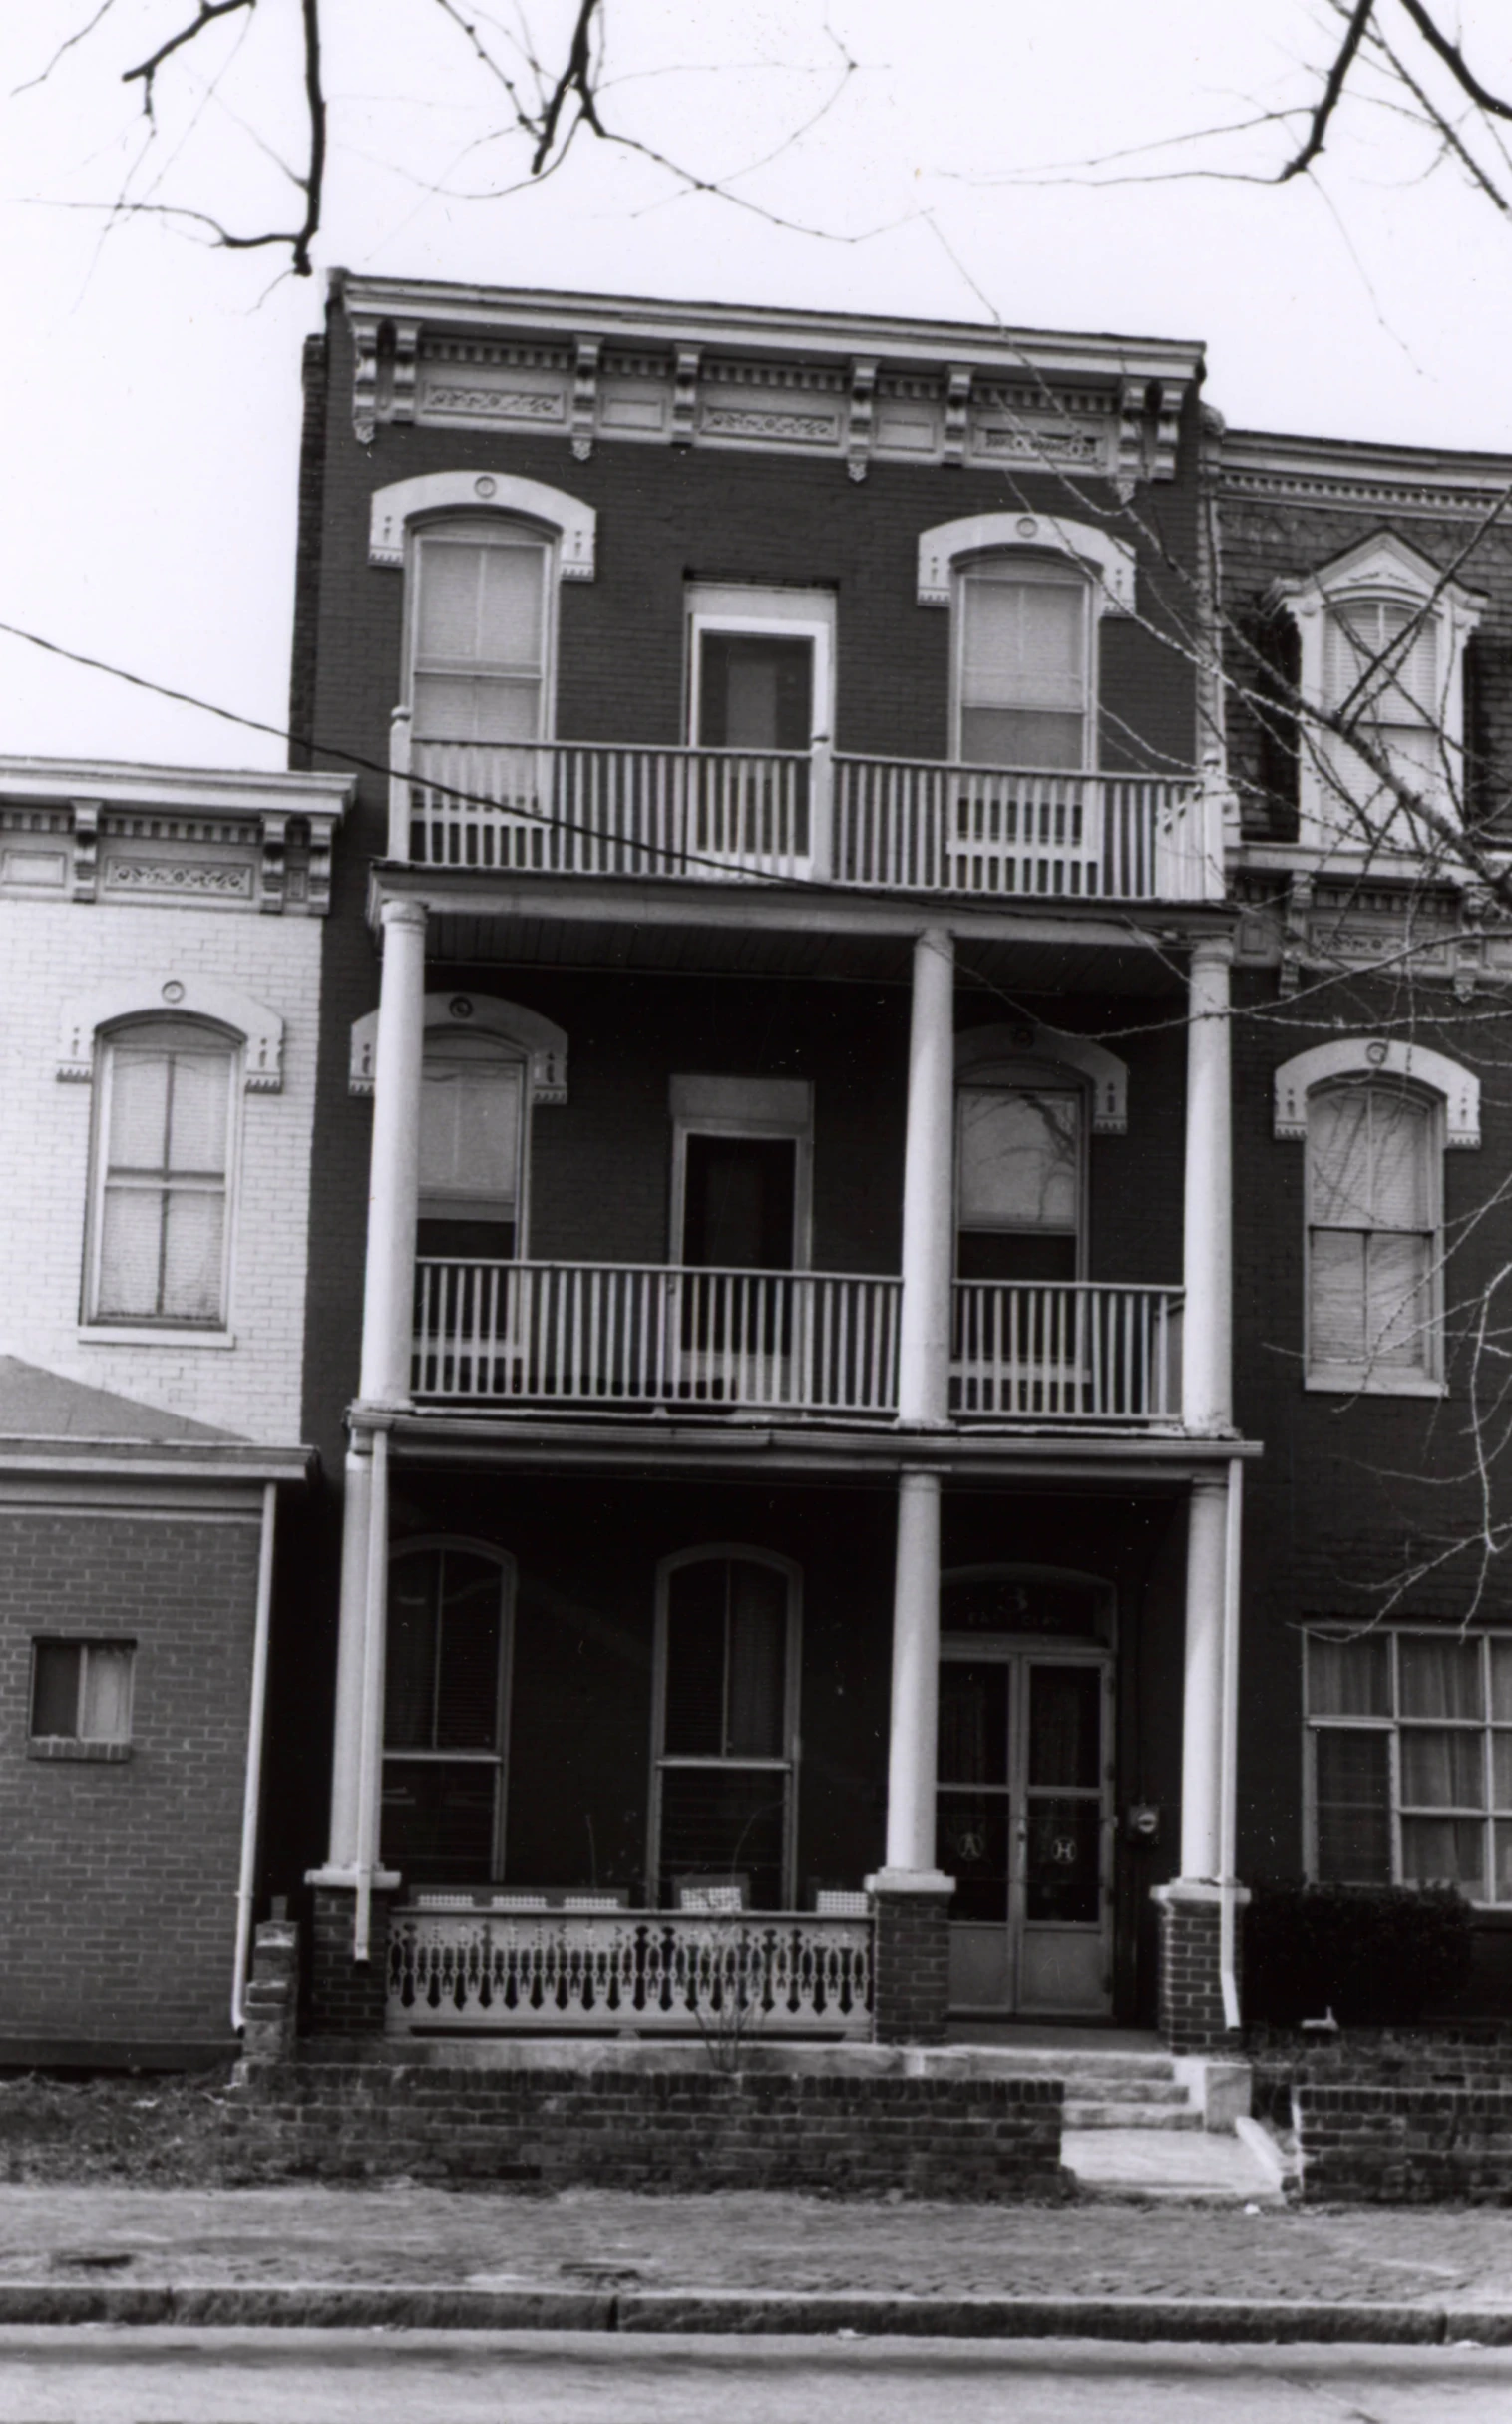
[
  {"x": 87, "y": 832},
  {"x": 541, "y": 1042},
  {"x": 595, "y": 366},
  {"x": 1364, "y": 478},
  {"x": 1367, "y": 1056}
]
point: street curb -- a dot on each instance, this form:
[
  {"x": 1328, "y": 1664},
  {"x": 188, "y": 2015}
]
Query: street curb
[{"x": 868, "y": 2314}]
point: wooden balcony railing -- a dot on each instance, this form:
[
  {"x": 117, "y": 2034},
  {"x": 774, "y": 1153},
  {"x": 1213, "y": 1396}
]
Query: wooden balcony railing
[
  {"x": 641, "y": 1337},
  {"x": 731, "y": 1979},
  {"x": 875, "y": 824}
]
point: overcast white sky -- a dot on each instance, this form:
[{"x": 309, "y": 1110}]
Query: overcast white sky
[{"x": 150, "y": 412}]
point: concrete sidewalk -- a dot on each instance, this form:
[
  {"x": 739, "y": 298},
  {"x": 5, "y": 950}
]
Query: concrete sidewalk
[{"x": 406, "y": 2255}]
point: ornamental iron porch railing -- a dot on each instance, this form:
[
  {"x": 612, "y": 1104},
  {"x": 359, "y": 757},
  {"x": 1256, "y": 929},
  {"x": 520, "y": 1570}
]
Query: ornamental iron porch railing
[
  {"x": 874, "y": 824},
  {"x": 639, "y": 1336},
  {"x": 725, "y": 1977}
]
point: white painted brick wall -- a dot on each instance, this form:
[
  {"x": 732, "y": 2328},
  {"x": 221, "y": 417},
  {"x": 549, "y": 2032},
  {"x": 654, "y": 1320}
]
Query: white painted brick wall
[{"x": 51, "y": 952}]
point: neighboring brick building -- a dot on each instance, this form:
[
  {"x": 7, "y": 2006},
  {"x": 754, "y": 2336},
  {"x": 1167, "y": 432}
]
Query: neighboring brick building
[{"x": 160, "y": 972}]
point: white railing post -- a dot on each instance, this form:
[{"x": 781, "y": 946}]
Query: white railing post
[
  {"x": 821, "y": 809},
  {"x": 399, "y": 785}
]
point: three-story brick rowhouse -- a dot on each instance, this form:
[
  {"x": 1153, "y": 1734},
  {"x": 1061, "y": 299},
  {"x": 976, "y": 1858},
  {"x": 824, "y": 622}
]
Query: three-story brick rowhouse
[{"x": 770, "y": 1250}]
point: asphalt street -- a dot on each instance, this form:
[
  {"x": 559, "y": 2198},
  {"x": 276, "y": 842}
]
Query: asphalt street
[{"x": 94, "y": 2376}]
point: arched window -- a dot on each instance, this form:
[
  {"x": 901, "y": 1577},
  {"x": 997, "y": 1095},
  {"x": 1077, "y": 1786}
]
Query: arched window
[
  {"x": 1374, "y": 1221},
  {"x": 1023, "y": 656},
  {"x": 158, "y": 1238},
  {"x": 446, "y": 1711},
  {"x": 727, "y": 1729},
  {"x": 479, "y": 631}
]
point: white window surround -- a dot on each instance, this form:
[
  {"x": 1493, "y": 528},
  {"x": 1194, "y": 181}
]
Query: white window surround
[
  {"x": 541, "y": 1045},
  {"x": 750, "y": 611},
  {"x": 1375, "y": 1057},
  {"x": 1107, "y": 562},
  {"x": 982, "y": 1051},
  {"x": 746, "y": 1106},
  {"x": 707, "y": 1554},
  {"x": 567, "y": 519},
  {"x": 1383, "y": 569},
  {"x": 259, "y": 1029}
]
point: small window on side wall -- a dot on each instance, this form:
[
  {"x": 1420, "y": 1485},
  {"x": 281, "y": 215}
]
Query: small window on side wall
[
  {"x": 82, "y": 1695},
  {"x": 160, "y": 1197},
  {"x": 1374, "y": 1221}
]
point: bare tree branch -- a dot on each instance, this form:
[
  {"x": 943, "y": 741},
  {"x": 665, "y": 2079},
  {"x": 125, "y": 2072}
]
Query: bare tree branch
[
  {"x": 146, "y": 69},
  {"x": 1333, "y": 85},
  {"x": 1455, "y": 60}
]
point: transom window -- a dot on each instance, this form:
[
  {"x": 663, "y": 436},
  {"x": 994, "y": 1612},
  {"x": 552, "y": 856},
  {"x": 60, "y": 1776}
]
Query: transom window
[
  {"x": 163, "y": 1150},
  {"x": 726, "y": 1743},
  {"x": 1019, "y": 1187},
  {"x": 1372, "y": 1234},
  {"x": 1023, "y": 663},
  {"x": 478, "y": 633},
  {"x": 1409, "y": 1759},
  {"x": 445, "y": 1733}
]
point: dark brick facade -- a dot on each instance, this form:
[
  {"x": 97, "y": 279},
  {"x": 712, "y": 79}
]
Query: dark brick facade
[
  {"x": 1192, "y": 2019},
  {"x": 691, "y": 2128},
  {"x": 912, "y": 1979},
  {"x": 118, "y": 1878},
  {"x": 346, "y": 1996}
]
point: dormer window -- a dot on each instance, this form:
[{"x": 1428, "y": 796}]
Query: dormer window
[{"x": 1383, "y": 638}]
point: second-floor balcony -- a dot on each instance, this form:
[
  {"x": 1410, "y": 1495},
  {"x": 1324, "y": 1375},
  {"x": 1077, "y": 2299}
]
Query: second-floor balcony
[
  {"x": 871, "y": 824},
  {"x": 627, "y": 1338}
]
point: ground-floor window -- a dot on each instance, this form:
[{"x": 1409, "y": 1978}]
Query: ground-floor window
[
  {"x": 724, "y": 1753},
  {"x": 446, "y": 1710},
  {"x": 1410, "y": 1758}
]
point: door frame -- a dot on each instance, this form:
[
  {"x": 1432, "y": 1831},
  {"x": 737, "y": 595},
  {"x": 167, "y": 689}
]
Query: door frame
[
  {"x": 751, "y": 611},
  {"x": 781, "y": 1107}
]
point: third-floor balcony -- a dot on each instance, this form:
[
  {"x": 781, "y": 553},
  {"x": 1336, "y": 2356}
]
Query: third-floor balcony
[{"x": 621, "y": 810}]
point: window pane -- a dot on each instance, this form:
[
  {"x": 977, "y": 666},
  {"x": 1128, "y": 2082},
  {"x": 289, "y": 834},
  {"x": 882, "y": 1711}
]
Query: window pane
[
  {"x": 1501, "y": 1885},
  {"x": 1501, "y": 1680},
  {"x": 1400, "y": 1133},
  {"x": 758, "y": 1662},
  {"x": 198, "y": 1107},
  {"x": 696, "y": 1596},
  {"x": 723, "y": 1824},
  {"x": 1501, "y": 1771},
  {"x": 1353, "y": 1799},
  {"x": 480, "y": 604},
  {"x": 971, "y": 1845},
  {"x": 448, "y": 707},
  {"x": 410, "y": 1666},
  {"x": 1062, "y": 1866},
  {"x": 1439, "y": 1677},
  {"x": 1443, "y": 1770},
  {"x": 1066, "y": 1726},
  {"x": 470, "y": 1131},
  {"x": 106, "y": 1712},
  {"x": 1399, "y": 1302},
  {"x": 438, "y": 1820},
  {"x": 467, "y": 1684},
  {"x": 738, "y": 1202},
  {"x": 509, "y": 611},
  {"x": 192, "y": 1254},
  {"x": 1021, "y": 736},
  {"x": 55, "y": 1686},
  {"x": 138, "y": 1084},
  {"x": 974, "y": 1723},
  {"x": 755, "y": 691},
  {"x": 1357, "y": 637},
  {"x": 130, "y": 1251},
  {"x": 1337, "y": 1296},
  {"x": 1025, "y": 642},
  {"x": 1350, "y": 1677},
  {"x": 1445, "y": 1851},
  {"x": 1019, "y": 1159}
]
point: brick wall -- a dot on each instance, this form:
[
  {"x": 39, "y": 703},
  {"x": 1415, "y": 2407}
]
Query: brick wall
[
  {"x": 117, "y": 1879},
  {"x": 49, "y": 954},
  {"x": 1393, "y": 2144},
  {"x": 625, "y": 2129}
]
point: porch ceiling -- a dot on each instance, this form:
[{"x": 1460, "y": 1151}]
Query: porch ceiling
[
  {"x": 479, "y": 1442},
  {"x": 752, "y": 929}
]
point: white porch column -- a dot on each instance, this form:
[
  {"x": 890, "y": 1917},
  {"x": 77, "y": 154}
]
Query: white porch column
[
  {"x": 346, "y": 1766},
  {"x": 916, "y": 1681},
  {"x": 1207, "y": 1383},
  {"x": 1202, "y": 1721},
  {"x": 394, "y": 1185},
  {"x": 924, "y": 1366}
]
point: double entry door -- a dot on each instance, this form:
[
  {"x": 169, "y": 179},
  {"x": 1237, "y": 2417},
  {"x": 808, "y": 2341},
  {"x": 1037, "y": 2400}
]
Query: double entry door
[{"x": 1025, "y": 1825}]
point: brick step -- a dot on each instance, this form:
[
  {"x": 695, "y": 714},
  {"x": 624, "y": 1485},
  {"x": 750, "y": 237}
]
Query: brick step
[
  {"x": 1088, "y": 2113},
  {"x": 1163, "y": 2094}
]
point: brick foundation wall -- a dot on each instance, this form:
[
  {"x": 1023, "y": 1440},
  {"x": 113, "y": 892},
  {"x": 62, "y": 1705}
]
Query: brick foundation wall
[
  {"x": 271, "y": 2001},
  {"x": 685, "y": 2129},
  {"x": 911, "y": 1990},
  {"x": 1393, "y": 2144},
  {"x": 118, "y": 1878},
  {"x": 347, "y": 1997},
  {"x": 1473, "y": 2056},
  {"x": 1191, "y": 1993}
]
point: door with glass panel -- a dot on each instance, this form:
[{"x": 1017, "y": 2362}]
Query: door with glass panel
[
  {"x": 1025, "y": 1825},
  {"x": 445, "y": 1713},
  {"x": 725, "y": 1743}
]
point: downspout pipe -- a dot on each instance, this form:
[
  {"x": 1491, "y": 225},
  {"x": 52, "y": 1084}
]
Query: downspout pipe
[
  {"x": 1229, "y": 1750},
  {"x": 252, "y": 1803}
]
